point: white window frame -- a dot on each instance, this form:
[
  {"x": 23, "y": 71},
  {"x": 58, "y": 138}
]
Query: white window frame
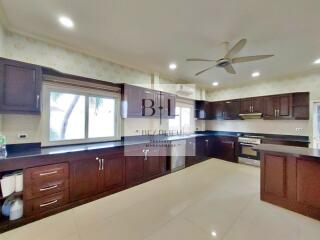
[
  {"x": 186, "y": 104},
  {"x": 316, "y": 125},
  {"x": 87, "y": 92}
]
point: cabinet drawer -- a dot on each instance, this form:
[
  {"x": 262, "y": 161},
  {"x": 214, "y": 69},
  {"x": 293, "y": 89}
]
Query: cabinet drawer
[
  {"x": 45, "y": 173},
  {"x": 43, "y": 188},
  {"x": 46, "y": 203}
]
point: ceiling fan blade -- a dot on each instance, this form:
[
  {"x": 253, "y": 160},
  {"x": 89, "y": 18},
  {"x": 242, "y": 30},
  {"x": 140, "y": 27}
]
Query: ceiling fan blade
[
  {"x": 236, "y": 48},
  {"x": 197, "y": 74},
  {"x": 230, "y": 69},
  {"x": 199, "y": 60},
  {"x": 250, "y": 58}
]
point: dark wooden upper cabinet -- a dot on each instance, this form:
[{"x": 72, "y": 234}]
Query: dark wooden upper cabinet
[
  {"x": 257, "y": 105},
  {"x": 20, "y": 87},
  {"x": 140, "y": 102},
  {"x": 300, "y": 105},
  {"x": 204, "y": 110},
  {"x": 169, "y": 108},
  {"x": 251, "y": 105},
  {"x": 269, "y": 107},
  {"x": 278, "y": 107},
  {"x": 284, "y": 105},
  {"x": 231, "y": 110},
  {"x": 218, "y": 110},
  {"x": 246, "y": 105}
]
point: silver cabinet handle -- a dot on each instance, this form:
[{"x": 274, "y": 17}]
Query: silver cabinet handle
[
  {"x": 48, "y": 173},
  {"x": 38, "y": 100},
  {"x": 102, "y": 164},
  {"x": 275, "y": 112},
  {"x": 48, "y": 188},
  {"x": 98, "y": 159},
  {"x": 48, "y": 203},
  {"x": 278, "y": 112},
  {"x": 145, "y": 151}
]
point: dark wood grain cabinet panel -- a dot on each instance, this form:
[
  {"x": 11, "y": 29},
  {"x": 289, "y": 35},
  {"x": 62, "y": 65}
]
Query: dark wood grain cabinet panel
[
  {"x": 20, "y": 87},
  {"x": 274, "y": 175},
  {"x": 223, "y": 148},
  {"x": 300, "y": 105},
  {"x": 292, "y": 182},
  {"x": 278, "y": 107},
  {"x": 308, "y": 182},
  {"x": 113, "y": 170},
  {"x": 84, "y": 176},
  {"x": 138, "y": 102},
  {"x": 245, "y": 105}
]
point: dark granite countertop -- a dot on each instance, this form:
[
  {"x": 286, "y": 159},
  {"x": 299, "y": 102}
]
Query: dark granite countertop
[
  {"x": 289, "y": 150},
  {"x": 44, "y": 151}
]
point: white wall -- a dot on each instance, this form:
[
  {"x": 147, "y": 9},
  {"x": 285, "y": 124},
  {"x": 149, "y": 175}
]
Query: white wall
[{"x": 304, "y": 83}]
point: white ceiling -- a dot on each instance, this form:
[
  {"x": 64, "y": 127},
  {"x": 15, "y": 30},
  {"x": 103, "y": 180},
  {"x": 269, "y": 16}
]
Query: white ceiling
[{"x": 149, "y": 34}]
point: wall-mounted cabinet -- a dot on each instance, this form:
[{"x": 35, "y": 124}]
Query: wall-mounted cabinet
[
  {"x": 20, "y": 87},
  {"x": 138, "y": 102},
  {"x": 294, "y": 106}
]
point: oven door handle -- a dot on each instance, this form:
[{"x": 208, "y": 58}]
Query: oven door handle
[{"x": 244, "y": 144}]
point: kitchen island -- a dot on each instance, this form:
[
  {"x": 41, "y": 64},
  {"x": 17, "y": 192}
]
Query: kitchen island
[{"x": 290, "y": 178}]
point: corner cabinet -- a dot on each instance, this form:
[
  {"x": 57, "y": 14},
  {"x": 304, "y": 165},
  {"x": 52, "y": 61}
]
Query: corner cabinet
[{"x": 20, "y": 87}]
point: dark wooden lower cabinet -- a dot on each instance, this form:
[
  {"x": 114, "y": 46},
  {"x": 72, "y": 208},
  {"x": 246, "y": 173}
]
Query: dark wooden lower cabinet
[
  {"x": 224, "y": 148},
  {"x": 140, "y": 167},
  {"x": 84, "y": 175},
  {"x": 291, "y": 182}
]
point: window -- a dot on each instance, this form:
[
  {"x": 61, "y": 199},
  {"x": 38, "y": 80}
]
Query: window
[
  {"x": 316, "y": 127},
  {"x": 184, "y": 121},
  {"x": 79, "y": 115}
]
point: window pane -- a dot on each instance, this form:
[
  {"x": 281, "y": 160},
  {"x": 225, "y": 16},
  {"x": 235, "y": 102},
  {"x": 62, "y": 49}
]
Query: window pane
[
  {"x": 174, "y": 124},
  {"x": 185, "y": 119},
  {"x": 67, "y": 116},
  {"x": 101, "y": 117}
]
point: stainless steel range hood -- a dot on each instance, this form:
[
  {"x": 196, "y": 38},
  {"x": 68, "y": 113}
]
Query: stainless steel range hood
[{"x": 250, "y": 116}]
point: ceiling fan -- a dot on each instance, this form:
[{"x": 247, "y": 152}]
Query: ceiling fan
[{"x": 229, "y": 59}]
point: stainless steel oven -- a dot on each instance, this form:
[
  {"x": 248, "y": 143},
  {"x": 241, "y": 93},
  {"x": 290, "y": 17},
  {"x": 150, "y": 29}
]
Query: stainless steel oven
[{"x": 246, "y": 153}]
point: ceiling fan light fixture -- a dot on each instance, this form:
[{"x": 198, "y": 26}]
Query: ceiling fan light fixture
[
  {"x": 215, "y": 84},
  {"x": 255, "y": 74},
  {"x": 317, "y": 61}
]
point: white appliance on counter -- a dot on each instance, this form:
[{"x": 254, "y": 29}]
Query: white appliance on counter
[{"x": 178, "y": 155}]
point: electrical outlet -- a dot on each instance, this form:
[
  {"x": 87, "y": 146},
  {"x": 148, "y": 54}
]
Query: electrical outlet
[
  {"x": 23, "y": 136},
  {"x": 299, "y": 130}
]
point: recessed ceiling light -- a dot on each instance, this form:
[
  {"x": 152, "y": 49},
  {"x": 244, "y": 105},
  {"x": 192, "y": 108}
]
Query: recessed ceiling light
[
  {"x": 255, "y": 74},
  {"x": 215, "y": 84},
  {"x": 173, "y": 66},
  {"x": 317, "y": 61},
  {"x": 66, "y": 22},
  {"x": 214, "y": 234}
]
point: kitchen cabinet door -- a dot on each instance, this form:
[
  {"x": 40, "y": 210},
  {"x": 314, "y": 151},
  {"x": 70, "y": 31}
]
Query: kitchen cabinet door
[
  {"x": 300, "y": 106},
  {"x": 154, "y": 164},
  {"x": 131, "y": 101},
  {"x": 231, "y": 110},
  {"x": 224, "y": 148},
  {"x": 84, "y": 175},
  {"x": 20, "y": 87},
  {"x": 257, "y": 104},
  {"x": 169, "y": 105},
  {"x": 113, "y": 170},
  {"x": 218, "y": 109},
  {"x": 284, "y": 106},
  {"x": 134, "y": 166},
  {"x": 270, "y": 106},
  {"x": 245, "y": 105}
]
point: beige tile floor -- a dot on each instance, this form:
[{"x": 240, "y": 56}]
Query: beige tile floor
[{"x": 211, "y": 200}]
